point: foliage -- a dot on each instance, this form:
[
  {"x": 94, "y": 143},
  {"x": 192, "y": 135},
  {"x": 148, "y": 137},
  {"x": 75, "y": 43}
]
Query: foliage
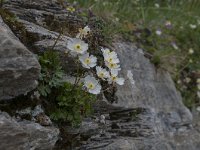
[
  {"x": 51, "y": 73},
  {"x": 65, "y": 101},
  {"x": 72, "y": 104}
]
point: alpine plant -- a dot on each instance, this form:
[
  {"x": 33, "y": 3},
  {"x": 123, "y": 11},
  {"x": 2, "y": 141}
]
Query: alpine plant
[{"x": 79, "y": 48}]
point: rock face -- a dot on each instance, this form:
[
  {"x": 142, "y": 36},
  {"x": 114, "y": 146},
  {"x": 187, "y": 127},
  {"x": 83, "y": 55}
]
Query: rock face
[
  {"x": 19, "y": 68},
  {"x": 25, "y": 135},
  {"x": 149, "y": 115}
]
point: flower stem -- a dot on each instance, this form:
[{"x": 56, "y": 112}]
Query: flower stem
[{"x": 57, "y": 40}]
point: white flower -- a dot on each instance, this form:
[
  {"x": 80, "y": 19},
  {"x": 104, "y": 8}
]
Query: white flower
[
  {"x": 190, "y": 61},
  {"x": 179, "y": 81},
  {"x": 157, "y": 5},
  {"x": 102, "y": 73},
  {"x": 88, "y": 61},
  {"x": 158, "y": 32},
  {"x": 198, "y": 80},
  {"x": 168, "y": 23},
  {"x": 198, "y": 94},
  {"x": 111, "y": 58},
  {"x": 114, "y": 79},
  {"x": 198, "y": 22},
  {"x": 198, "y": 86},
  {"x": 198, "y": 108},
  {"x": 187, "y": 80},
  {"x": 191, "y": 51},
  {"x": 192, "y": 26},
  {"x": 77, "y": 46},
  {"x": 130, "y": 77},
  {"x": 117, "y": 19},
  {"x": 113, "y": 66},
  {"x": 92, "y": 85},
  {"x": 83, "y": 32},
  {"x": 174, "y": 45},
  {"x": 105, "y": 51}
]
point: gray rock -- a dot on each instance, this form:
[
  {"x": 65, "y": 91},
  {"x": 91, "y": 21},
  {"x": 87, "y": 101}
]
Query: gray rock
[
  {"x": 25, "y": 135},
  {"x": 19, "y": 68}
]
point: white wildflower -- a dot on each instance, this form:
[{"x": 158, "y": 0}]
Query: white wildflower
[
  {"x": 190, "y": 61},
  {"x": 83, "y": 32},
  {"x": 77, "y": 46},
  {"x": 191, "y": 51},
  {"x": 157, "y": 5},
  {"x": 198, "y": 22},
  {"x": 111, "y": 58},
  {"x": 193, "y": 26},
  {"x": 92, "y": 85},
  {"x": 198, "y": 80},
  {"x": 114, "y": 79},
  {"x": 198, "y": 108},
  {"x": 113, "y": 66},
  {"x": 187, "y": 80},
  {"x": 174, "y": 45},
  {"x": 130, "y": 77},
  {"x": 198, "y": 94},
  {"x": 179, "y": 82},
  {"x": 168, "y": 23},
  {"x": 117, "y": 19},
  {"x": 158, "y": 32},
  {"x": 102, "y": 73},
  {"x": 105, "y": 51},
  {"x": 88, "y": 61}
]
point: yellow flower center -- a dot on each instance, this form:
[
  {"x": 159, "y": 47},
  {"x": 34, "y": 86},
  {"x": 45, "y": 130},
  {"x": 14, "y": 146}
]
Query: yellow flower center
[
  {"x": 101, "y": 74},
  {"x": 90, "y": 86},
  {"x": 110, "y": 60},
  {"x": 78, "y": 47},
  {"x": 87, "y": 61},
  {"x": 112, "y": 65},
  {"x": 114, "y": 78}
]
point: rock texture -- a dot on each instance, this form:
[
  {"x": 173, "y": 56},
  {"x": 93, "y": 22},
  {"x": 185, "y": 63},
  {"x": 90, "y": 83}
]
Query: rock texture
[
  {"x": 149, "y": 115},
  {"x": 19, "y": 68},
  {"x": 25, "y": 135}
]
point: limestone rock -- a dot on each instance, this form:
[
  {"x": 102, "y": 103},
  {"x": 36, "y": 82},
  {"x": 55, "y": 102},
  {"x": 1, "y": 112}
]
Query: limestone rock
[
  {"x": 25, "y": 135},
  {"x": 19, "y": 68}
]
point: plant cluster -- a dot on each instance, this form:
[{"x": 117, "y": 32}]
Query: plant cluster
[
  {"x": 79, "y": 50},
  {"x": 63, "y": 101},
  {"x": 73, "y": 101}
]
